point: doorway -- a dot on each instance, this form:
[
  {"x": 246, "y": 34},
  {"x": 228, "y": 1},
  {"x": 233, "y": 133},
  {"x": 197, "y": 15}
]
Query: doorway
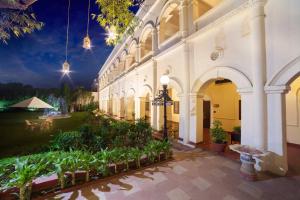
[{"x": 206, "y": 114}]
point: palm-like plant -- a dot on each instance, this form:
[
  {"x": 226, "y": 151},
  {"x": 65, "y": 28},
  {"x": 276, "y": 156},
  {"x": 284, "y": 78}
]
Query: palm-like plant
[
  {"x": 166, "y": 147},
  {"x": 117, "y": 157},
  {"x": 157, "y": 148},
  {"x": 136, "y": 154},
  {"x": 104, "y": 160},
  {"x": 60, "y": 168},
  {"x": 88, "y": 162},
  {"x": 23, "y": 175},
  {"x": 73, "y": 161},
  {"x": 149, "y": 151}
]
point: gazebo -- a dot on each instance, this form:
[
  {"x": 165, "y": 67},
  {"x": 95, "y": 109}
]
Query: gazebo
[{"x": 33, "y": 103}]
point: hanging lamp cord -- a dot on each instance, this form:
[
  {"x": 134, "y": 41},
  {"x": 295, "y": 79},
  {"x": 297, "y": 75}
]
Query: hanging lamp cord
[
  {"x": 88, "y": 19},
  {"x": 68, "y": 25}
]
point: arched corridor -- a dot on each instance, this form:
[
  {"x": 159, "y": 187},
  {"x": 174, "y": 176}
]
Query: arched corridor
[{"x": 218, "y": 100}]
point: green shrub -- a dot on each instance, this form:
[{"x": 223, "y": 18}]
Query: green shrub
[
  {"x": 217, "y": 133},
  {"x": 67, "y": 140}
]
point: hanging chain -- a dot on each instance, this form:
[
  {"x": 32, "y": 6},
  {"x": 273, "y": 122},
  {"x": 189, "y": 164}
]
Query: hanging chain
[
  {"x": 88, "y": 20},
  {"x": 68, "y": 25}
]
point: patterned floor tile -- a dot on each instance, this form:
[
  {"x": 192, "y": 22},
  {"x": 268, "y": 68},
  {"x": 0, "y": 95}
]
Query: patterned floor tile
[
  {"x": 178, "y": 194},
  {"x": 201, "y": 183},
  {"x": 179, "y": 169}
]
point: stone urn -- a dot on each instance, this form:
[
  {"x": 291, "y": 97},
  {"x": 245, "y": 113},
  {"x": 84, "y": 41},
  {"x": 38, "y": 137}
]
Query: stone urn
[{"x": 247, "y": 157}]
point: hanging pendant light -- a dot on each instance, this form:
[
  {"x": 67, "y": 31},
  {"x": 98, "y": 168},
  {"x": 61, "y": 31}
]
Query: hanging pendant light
[
  {"x": 87, "y": 44},
  {"x": 66, "y": 66}
]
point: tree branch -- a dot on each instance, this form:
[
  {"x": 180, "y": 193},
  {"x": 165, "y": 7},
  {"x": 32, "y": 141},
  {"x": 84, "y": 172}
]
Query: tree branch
[{"x": 16, "y": 4}]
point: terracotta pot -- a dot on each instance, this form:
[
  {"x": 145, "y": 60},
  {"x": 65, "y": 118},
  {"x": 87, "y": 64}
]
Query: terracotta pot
[{"x": 217, "y": 147}]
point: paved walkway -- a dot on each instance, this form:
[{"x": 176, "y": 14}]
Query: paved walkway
[{"x": 194, "y": 174}]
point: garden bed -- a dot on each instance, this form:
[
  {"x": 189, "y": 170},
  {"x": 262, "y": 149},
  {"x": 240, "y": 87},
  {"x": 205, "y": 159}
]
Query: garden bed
[{"x": 107, "y": 148}]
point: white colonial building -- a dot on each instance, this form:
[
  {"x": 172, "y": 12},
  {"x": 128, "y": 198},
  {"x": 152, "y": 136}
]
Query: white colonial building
[{"x": 237, "y": 61}]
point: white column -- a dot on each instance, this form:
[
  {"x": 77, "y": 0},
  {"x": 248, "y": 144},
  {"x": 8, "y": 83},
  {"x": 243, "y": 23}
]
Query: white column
[
  {"x": 184, "y": 118},
  {"x": 155, "y": 41},
  {"x": 183, "y": 21},
  {"x": 196, "y": 118},
  {"x": 138, "y": 53},
  {"x": 154, "y": 109},
  {"x": 257, "y": 24},
  {"x": 153, "y": 114},
  {"x": 277, "y": 142},
  {"x": 248, "y": 136}
]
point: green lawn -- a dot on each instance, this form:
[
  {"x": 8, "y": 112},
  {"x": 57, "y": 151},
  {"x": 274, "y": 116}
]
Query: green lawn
[{"x": 17, "y": 139}]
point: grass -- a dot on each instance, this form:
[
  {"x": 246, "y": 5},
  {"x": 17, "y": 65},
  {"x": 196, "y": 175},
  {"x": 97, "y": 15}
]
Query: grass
[{"x": 17, "y": 139}]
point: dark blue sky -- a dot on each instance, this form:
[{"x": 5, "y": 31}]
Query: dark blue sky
[{"x": 36, "y": 58}]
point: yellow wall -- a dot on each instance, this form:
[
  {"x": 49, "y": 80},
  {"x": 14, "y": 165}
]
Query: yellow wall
[
  {"x": 170, "y": 110},
  {"x": 293, "y": 112},
  {"x": 226, "y": 97}
]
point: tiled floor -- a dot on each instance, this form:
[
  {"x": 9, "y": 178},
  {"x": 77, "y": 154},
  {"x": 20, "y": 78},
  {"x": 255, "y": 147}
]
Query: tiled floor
[{"x": 193, "y": 174}]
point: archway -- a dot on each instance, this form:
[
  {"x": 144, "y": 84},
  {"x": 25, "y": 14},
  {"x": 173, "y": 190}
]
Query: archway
[
  {"x": 131, "y": 58},
  {"x": 146, "y": 42},
  {"x": 169, "y": 22},
  {"x": 227, "y": 79},
  {"x": 145, "y": 106},
  {"x": 130, "y": 105},
  {"x": 283, "y": 96},
  {"x": 292, "y": 107},
  {"x": 218, "y": 100}
]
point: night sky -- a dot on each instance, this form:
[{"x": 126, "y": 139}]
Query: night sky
[{"x": 36, "y": 58}]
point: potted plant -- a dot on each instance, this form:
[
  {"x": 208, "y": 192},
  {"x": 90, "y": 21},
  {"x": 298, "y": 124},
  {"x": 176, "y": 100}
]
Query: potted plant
[
  {"x": 236, "y": 135},
  {"x": 218, "y": 137}
]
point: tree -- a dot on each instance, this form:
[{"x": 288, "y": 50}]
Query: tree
[
  {"x": 117, "y": 18},
  {"x": 16, "y": 19},
  {"x": 16, "y": 4}
]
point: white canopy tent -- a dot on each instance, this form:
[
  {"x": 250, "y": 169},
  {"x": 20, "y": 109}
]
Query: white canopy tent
[{"x": 33, "y": 102}]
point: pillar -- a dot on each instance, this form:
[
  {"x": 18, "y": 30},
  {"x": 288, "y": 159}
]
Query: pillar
[
  {"x": 184, "y": 118},
  {"x": 138, "y": 53},
  {"x": 248, "y": 136},
  {"x": 277, "y": 142},
  {"x": 155, "y": 41},
  {"x": 186, "y": 18},
  {"x": 258, "y": 55},
  {"x": 154, "y": 109},
  {"x": 196, "y": 119}
]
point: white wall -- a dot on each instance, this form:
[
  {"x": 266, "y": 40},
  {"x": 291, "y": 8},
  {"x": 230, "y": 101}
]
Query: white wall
[{"x": 293, "y": 113}]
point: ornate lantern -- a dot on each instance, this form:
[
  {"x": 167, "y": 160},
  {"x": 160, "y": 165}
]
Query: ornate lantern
[{"x": 66, "y": 68}]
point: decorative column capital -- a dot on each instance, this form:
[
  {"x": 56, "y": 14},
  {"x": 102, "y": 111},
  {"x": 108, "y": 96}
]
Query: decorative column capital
[
  {"x": 277, "y": 89},
  {"x": 257, "y": 8}
]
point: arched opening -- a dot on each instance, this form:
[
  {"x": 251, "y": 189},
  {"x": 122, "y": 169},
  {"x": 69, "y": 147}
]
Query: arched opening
[
  {"x": 146, "y": 108},
  {"x": 122, "y": 107},
  {"x": 169, "y": 22},
  {"x": 115, "y": 106},
  {"x": 218, "y": 100},
  {"x": 292, "y": 107},
  {"x": 200, "y": 7},
  {"x": 122, "y": 63},
  {"x": 146, "y": 43},
  {"x": 131, "y": 58},
  {"x": 173, "y": 115}
]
